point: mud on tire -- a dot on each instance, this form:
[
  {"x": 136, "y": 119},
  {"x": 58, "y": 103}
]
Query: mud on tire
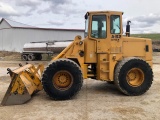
[
  {"x": 62, "y": 79},
  {"x": 133, "y": 76}
]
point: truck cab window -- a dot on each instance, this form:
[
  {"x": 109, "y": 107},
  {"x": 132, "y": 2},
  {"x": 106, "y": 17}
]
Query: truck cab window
[
  {"x": 115, "y": 24},
  {"x": 98, "y": 26}
]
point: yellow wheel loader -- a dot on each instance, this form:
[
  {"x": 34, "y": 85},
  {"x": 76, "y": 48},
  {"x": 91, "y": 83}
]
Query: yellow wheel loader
[{"x": 104, "y": 54}]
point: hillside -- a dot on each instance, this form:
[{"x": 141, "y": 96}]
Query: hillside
[{"x": 152, "y": 36}]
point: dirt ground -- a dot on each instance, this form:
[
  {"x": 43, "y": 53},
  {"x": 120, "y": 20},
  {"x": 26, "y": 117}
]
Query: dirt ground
[{"x": 96, "y": 101}]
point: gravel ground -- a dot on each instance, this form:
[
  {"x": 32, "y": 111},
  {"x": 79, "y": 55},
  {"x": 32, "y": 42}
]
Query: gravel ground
[{"x": 96, "y": 100}]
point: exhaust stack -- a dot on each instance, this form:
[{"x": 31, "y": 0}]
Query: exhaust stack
[{"x": 128, "y": 29}]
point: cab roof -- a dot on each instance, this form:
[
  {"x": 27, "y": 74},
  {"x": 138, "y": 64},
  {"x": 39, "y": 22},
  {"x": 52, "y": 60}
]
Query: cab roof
[{"x": 113, "y": 12}]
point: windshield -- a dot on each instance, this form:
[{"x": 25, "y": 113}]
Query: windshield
[
  {"x": 98, "y": 29},
  {"x": 86, "y": 26}
]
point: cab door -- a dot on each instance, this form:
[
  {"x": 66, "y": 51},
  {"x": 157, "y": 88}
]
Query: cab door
[{"x": 99, "y": 32}]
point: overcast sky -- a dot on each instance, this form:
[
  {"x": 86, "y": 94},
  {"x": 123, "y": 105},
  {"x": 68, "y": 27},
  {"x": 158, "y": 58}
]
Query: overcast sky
[{"x": 144, "y": 14}]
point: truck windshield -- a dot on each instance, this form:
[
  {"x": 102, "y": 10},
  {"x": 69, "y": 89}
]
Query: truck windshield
[{"x": 86, "y": 26}]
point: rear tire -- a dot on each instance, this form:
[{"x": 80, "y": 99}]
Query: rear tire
[
  {"x": 38, "y": 57},
  {"x": 31, "y": 57},
  {"x": 133, "y": 76},
  {"x": 62, "y": 79}
]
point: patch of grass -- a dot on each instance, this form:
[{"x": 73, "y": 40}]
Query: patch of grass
[{"x": 152, "y": 36}]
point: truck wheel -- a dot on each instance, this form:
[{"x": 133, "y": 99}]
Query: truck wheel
[
  {"x": 62, "y": 79},
  {"x": 38, "y": 57},
  {"x": 31, "y": 57},
  {"x": 133, "y": 76},
  {"x": 24, "y": 57}
]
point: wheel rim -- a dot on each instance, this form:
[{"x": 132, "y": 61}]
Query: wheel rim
[
  {"x": 135, "y": 77},
  {"x": 62, "y": 80}
]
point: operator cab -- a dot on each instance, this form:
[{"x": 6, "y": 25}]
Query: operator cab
[{"x": 102, "y": 24}]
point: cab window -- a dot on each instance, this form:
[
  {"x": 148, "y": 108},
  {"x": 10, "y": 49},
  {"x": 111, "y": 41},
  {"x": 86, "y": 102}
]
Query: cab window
[
  {"x": 98, "y": 26},
  {"x": 115, "y": 24}
]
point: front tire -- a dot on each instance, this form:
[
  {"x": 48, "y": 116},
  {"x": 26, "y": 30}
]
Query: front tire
[
  {"x": 62, "y": 79},
  {"x": 25, "y": 57},
  {"x": 133, "y": 76}
]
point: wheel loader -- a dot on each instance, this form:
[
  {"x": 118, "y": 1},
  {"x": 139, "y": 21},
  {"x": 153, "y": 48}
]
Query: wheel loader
[{"x": 104, "y": 54}]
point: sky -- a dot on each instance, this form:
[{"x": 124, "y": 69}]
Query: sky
[{"x": 69, "y": 14}]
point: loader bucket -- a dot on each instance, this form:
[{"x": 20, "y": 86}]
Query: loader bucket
[{"x": 25, "y": 81}]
